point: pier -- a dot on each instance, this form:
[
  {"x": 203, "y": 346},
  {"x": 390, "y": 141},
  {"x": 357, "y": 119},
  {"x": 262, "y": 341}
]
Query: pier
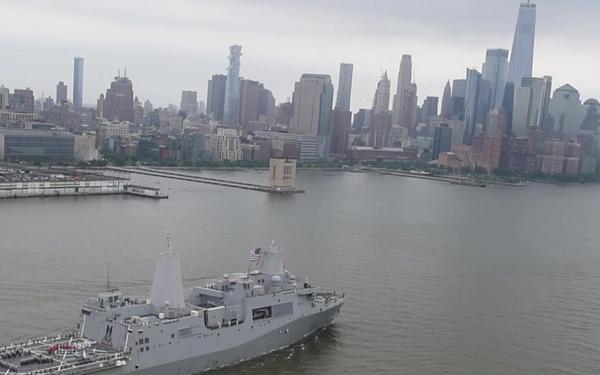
[
  {"x": 455, "y": 180},
  {"x": 205, "y": 180},
  {"x": 40, "y": 183}
]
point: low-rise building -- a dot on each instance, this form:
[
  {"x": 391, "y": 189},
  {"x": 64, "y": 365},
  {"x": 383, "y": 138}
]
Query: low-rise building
[
  {"x": 85, "y": 147},
  {"x": 114, "y": 129},
  {"x": 309, "y": 147},
  {"x": 194, "y": 145},
  {"x": 550, "y": 164},
  {"x": 17, "y": 118},
  {"x": 571, "y": 166},
  {"x": 225, "y": 145},
  {"x": 361, "y": 153},
  {"x": 20, "y": 144}
]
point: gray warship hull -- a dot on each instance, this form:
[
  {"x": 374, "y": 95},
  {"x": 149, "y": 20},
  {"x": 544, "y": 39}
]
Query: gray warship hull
[{"x": 268, "y": 343}]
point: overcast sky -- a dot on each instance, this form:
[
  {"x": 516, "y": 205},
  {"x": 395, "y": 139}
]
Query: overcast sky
[{"x": 175, "y": 45}]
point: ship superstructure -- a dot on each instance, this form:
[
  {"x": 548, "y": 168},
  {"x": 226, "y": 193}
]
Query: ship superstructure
[{"x": 232, "y": 319}]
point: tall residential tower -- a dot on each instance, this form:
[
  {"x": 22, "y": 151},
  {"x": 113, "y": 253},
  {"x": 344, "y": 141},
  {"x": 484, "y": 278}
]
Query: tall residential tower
[
  {"x": 232, "y": 89},
  {"x": 78, "y": 83}
]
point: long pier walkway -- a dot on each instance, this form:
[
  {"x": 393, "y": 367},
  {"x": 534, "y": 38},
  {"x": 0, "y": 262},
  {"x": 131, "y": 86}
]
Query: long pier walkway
[{"x": 204, "y": 180}]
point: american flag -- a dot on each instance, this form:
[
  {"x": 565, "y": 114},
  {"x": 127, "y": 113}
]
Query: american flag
[{"x": 255, "y": 254}]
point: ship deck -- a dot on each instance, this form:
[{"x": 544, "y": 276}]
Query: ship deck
[{"x": 58, "y": 355}]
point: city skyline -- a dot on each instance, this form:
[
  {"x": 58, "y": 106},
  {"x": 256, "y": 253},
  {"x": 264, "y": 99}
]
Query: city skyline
[{"x": 440, "y": 46}]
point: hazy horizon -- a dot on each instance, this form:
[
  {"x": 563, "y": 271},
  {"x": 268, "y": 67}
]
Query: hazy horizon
[{"x": 175, "y": 46}]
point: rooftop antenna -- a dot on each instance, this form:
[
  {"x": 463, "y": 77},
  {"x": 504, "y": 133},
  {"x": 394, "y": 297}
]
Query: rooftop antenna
[
  {"x": 125, "y": 72},
  {"x": 119, "y": 73}
]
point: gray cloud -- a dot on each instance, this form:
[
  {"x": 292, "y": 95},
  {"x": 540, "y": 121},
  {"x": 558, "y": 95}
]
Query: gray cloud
[{"x": 176, "y": 45}]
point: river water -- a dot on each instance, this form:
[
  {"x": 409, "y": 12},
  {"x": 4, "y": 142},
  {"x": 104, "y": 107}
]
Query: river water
[{"x": 442, "y": 279}]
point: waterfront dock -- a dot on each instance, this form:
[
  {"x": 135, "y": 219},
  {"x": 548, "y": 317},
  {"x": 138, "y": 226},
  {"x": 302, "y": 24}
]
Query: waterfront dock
[
  {"x": 40, "y": 183},
  {"x": 204, "y": 180}
]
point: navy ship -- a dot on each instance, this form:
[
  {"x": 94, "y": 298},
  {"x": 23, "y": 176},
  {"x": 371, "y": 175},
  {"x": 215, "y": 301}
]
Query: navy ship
[{"x": 232, "y": 319}]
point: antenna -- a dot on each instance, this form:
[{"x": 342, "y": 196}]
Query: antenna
[
  {"x": 125, "y": 72},
  {"x": 119, "y": 73},
  {"x": 107, "y": 277}
]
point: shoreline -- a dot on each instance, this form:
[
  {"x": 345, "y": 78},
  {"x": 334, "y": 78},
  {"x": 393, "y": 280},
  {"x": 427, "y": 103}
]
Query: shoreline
[{"x": 398, "y": 172}]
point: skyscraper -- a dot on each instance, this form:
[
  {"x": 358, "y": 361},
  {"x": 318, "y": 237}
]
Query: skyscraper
[
  {"x": 148, "y": 108},
  {"x": 232, "y": 88},
  {"x": 528, "y": 105},
  {"x": 566, "y": 111},
  {"x": 442, "y": 140},
  {"x": 405, "y": 100},
  {"x": 521, "y": 55},
  {"x": 447, "y": 102},
  {"x": 379, "y": 129},
  {"x": 61, "y": 93},
  {"x": 118, "y": 101},
  {"x": 215, "y": 99},
  {"x": 470, "y": 111},
  {"x": 100, "y": 106},
  {"x": 341, "y": 122},
  {"x": 189, "y": 103},
  {"x": 381, "y": 101},
  {"x": 341, "y": 117},
  {"x": 483, "y": 102},
  {"x": 495, "y": 70},
  {"x": 255, "y": 101},
  {"x": 459, "y": 88},
  {"x": 362, "y": 120},
  {"x": 312, "y": 100},
  {"x": 404, "y": 77},
  {"x": 284, "y": 112},
  {"x": 344, "y": 87},
  {"x": 546, "y": 121},
  {"x": 430, "y": 108},
  {"x": 78, "y": 83},
  {"x": 4, "y": 98},
  {"x": 22, "y": 101}
]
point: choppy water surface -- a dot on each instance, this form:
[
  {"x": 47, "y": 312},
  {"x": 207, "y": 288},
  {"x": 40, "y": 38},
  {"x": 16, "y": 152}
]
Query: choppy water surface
[{"x": 442, "y": 279}]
